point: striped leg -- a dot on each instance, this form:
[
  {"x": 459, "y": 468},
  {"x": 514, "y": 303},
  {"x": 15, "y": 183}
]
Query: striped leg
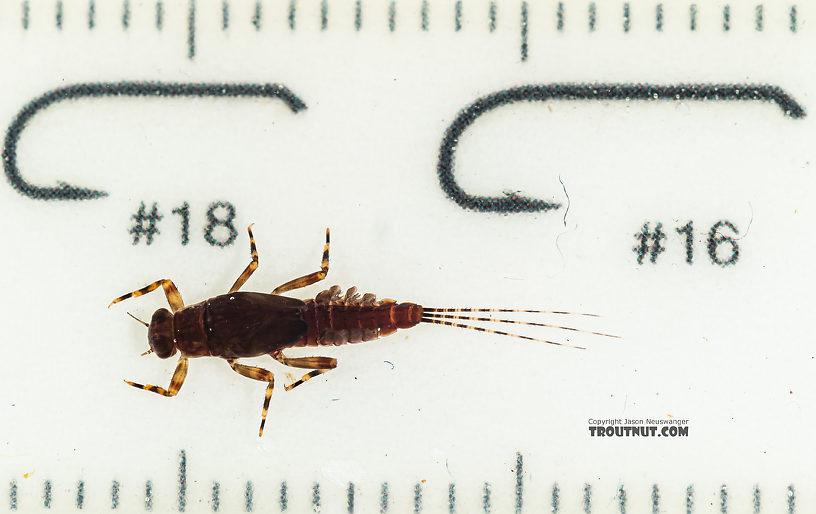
[
  {"x": 311, "y": 278},
  {"x": 251, "y": 267},
  {"x": 175, "y": 382},
  {"x": 257, "y": 374},
  {"x": 305, "y": 377},
  {"x": 170, "y": 290},
  {"x": 323, "y": 364}
]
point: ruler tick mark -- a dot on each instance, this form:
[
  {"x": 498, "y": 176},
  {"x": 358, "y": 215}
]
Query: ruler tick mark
[
  {"x": 627, "y": 17},
  {"x": 519, "y": 482},
  {"x": 622, "y": 500},
  {"x": 114, "y": 495},
  {"x": 458, "y": 6},
  {"x": 659, "y": 18},
  {"x": 756, "y": 500},
  {"x": 13, "y": 495},
  {"x": 316, "y": 497},
  {"x": 148, "y": 498},
  {"x": 248, "y": 493},
  {"x": 587, "y": 499},
  {"x": 392, "y": 15},
  {"x": 47, "y": 494},
  {"x": 559, "y": 17},
  {"x": 58, "y": 14},
  {"x": 80, "y": 495},
  {"x": 655, "y": 499},
  {"x": 25, "y": 10},
  {"x": 523, "y": 31},
  {"x": 689, "y": 499},
  {"x": 486, "y": 498},
  {"x": 216, "y": 501},
  {"x": 256, "y": 17},
  {"x": 182, "y": 481},
  {"x": 384, "y": 498},
  {"x": 451, "y": 498},
  {"x": 350, "y": 498},
  {"x": 723, "y": 499},
  {"x": 159, "y": 15},
  {"x": 693, "y": 17},
  {"x": 417, "y": 498},
  {"x": 125, "y": 14},
  {"x": 284, "y": 500},
  {"x": 191, "y": 26},
  {"x": 592, "y": 16},
  {"x": 556, "y": 503}
]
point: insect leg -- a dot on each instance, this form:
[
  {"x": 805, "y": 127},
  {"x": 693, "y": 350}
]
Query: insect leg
[
  {"x": 263, "y": 375},
  {"x": 326, "y": 363},
  {"x": 170, "y": 290},
  {"x": 175, "y": 382},
  {"x": 305, "y": 377},
  {"x": 323, "y": 364},
  {"x": 251, "y": 267},
  {"x": 311, "y": 278}
]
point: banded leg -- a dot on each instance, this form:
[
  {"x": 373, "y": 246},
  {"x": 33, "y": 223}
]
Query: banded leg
[
  {"x": 175, "y": 383},
  {"x": 251, "y": 267},
  {"x": 170, "y": 290},
  {"x": 261, "y": 375},
  {"x": 323, "y": 364},
  {"x": 304, "y": 378},
  {"x": 311, "y": 278}
]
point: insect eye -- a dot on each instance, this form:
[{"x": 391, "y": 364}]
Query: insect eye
[{"x": 160, "y": 334}]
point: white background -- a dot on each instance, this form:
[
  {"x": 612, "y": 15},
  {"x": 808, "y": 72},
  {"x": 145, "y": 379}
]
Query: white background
[{"x": 730, "y": 350}]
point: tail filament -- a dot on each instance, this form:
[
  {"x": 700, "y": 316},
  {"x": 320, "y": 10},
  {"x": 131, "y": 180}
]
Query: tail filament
[{"x": 442, "y": 317}]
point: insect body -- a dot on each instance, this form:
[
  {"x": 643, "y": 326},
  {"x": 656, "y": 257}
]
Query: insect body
[{"x": 247, "y": 324}]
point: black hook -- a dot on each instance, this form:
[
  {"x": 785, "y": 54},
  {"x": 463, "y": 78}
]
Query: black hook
[
  {"x": 100, "y": 89},
  {"x": 516, "y": 203}
]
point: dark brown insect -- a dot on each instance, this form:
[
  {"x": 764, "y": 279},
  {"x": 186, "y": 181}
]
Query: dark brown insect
[{"x": 243, "y": 324}]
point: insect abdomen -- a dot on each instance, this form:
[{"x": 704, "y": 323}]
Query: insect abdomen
[{"x": 334, "y": 320}]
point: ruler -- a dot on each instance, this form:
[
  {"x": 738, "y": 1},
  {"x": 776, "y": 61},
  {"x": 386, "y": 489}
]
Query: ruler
[{"x": 648, "y": 162}]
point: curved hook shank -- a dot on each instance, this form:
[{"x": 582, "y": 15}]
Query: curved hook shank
[
  {"x": 516, "y": 203},
  {"x": 101, "y": 89}
]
